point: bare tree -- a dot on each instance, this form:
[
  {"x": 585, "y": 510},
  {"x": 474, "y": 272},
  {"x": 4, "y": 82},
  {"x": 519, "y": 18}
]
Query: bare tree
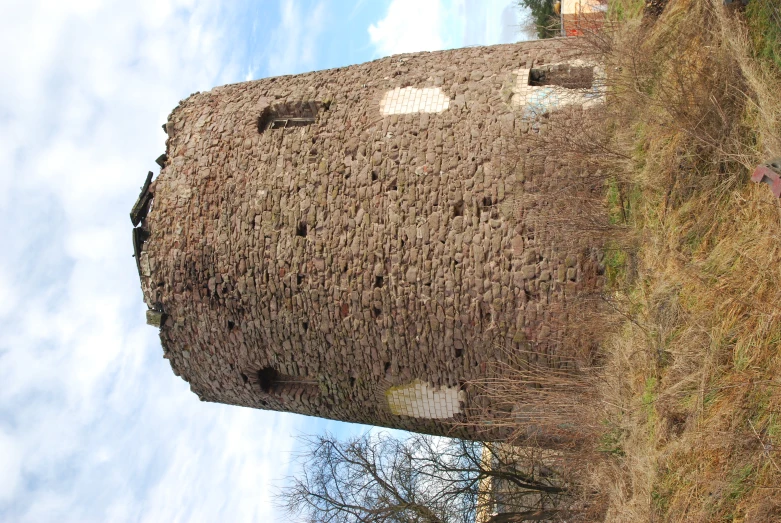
[{"x": 419, "y": 479}]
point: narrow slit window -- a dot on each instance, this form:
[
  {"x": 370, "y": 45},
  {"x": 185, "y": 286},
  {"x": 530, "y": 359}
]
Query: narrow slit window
[{"x": 273, "y": 382}]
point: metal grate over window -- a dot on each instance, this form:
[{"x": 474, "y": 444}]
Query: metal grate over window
[
  {"x": 569, "y": 77},
  {"x": 289, "y": 114}
]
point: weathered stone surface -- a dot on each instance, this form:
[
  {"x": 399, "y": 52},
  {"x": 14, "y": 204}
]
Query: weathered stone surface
[
  {"x": 314, "y": 262},
  {"x": 154, "y": 318},
  {"x": 528, "y": 271}
]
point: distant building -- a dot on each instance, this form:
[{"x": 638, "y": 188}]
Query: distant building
[
  {"x": 581, "y": 16},
  {"x": 499, "y": 499}
]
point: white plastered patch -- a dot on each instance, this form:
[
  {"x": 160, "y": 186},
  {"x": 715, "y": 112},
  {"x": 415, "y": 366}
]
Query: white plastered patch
[
  {"x": 408, "y": 100},
  {"x": 537, "y": 100},
  {"x": 419, "y": 400}
]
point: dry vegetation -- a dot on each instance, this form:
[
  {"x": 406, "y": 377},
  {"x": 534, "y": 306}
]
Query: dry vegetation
[
  {"x": 694, "y": 376},
  {"x": 684, "y": 410}
]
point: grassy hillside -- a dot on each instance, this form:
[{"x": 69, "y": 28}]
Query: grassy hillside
[{"x": 693, "y": 377}]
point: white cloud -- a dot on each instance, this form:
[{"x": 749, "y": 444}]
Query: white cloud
[
  {"x": 356, "y": 8},
  {"x": 429, "y": 25},
  {"x": 294, "y": 42},
  {"x": 93, "y": 424},
  {"x": 8, "y": 293},
  {"x": 488, "y": 22},
  {"x": 408, "y": 26},
  {"x": 10, "y": 467}
]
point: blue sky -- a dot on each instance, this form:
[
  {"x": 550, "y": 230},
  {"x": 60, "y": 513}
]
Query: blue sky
[{"x": 94, "y": 426}]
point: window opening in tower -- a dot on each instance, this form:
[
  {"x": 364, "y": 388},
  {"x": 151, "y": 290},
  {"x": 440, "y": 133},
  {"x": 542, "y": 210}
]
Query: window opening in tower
[{"x": 562, "y": 75}]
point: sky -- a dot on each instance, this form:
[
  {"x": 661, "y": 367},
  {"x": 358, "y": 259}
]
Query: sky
[{"x": 94, "y": 426}]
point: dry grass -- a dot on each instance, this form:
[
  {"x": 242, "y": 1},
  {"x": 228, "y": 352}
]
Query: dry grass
[
  {"x": 551, "y": 419},
  {"x": 694, "y": 377},
  {"x": 684, "y": 412},
  {"x": 538, "y": 406}
]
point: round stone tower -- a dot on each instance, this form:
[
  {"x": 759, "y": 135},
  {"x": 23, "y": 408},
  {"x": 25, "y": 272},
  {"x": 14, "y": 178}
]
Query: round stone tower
[{"x": 359, "y": 243}]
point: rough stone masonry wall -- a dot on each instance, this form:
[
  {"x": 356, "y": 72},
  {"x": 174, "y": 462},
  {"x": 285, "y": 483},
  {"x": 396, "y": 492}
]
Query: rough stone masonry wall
[{"x": 365, "y": 266}]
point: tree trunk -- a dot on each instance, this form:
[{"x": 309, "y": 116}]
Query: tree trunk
[{"x": 529, "y": 515}]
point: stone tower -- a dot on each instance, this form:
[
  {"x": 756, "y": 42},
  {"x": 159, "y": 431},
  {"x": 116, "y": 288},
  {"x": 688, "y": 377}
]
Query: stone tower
[{"x": 356, "y": 243}]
